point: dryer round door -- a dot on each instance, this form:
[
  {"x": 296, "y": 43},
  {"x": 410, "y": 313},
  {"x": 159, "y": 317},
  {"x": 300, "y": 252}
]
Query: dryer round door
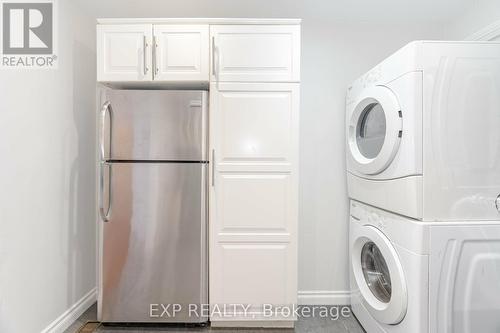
[
  {"x": 379, "y": 276},
  {"x": 375, "y": 130}
]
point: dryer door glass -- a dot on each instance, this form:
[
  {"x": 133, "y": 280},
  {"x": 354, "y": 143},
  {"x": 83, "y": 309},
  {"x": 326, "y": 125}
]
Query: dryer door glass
[
  {"x": 376, "y": 272},
  {"x": 370, "y": 132},
  {"x": 374, "y": 130}
]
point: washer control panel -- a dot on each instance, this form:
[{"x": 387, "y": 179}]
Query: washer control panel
[
  {"x": 406, "y": 232},
  {"x": 369, "y": 215}
]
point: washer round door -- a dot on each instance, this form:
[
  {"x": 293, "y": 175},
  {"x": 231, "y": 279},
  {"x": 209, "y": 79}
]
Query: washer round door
[
  {"x": 375, "y": 130},
  {"x": 379, "y": 276}
]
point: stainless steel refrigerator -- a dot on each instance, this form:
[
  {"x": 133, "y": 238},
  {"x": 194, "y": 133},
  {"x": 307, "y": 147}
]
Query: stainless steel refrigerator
[{"x": 153, "y": 206}]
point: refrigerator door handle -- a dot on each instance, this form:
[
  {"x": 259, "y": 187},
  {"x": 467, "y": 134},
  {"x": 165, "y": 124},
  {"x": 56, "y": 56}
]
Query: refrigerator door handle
[
  {"x": 104, "y": 214},
  {"x": 106, "y": 107}
]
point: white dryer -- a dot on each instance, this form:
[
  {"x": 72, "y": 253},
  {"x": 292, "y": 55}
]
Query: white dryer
[
  {"x": 422, "y": 130},
  {"x": 409, "y": 276}
]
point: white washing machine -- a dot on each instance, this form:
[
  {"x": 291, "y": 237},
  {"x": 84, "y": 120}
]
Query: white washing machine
[
  {"x": 409, "y": 276},
  {"x": 423, "y": 136}
]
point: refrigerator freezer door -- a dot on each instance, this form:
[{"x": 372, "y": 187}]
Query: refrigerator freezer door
[
  {"x": 154, "y": 245},
  {"x": 161, "y": 125}
]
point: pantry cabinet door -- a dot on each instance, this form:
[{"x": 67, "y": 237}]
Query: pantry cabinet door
[
  {"x": 181, "y": 53},
  {"x": 253, "y": 226},
  {"x": 254, "y": 125},
  {"x": 249, "y": 53},
  {"x": 124, "y": 52}
]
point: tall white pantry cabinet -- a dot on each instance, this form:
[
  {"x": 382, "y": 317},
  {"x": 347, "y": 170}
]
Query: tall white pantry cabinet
[
  {"x": 252, "y": 70},
  {"x": 254, "y": 110}
]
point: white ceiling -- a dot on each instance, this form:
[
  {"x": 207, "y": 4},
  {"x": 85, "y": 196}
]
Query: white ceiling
[{"x": 369, "y": 11}]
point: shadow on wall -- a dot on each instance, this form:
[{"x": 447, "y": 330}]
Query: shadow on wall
[{"x": 81, "y": 199}]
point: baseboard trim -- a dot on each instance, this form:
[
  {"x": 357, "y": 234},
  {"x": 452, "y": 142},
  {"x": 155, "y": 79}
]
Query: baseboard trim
[
  {"x": 72, "y": 314},
  {"x": 487, "y": 33},
  {"x": 324, "y": 297}
]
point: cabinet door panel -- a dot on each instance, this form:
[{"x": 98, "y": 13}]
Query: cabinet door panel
[
  {"x": 256, "y": 53},
  {"x": 239, "y": 209},
  {"x": 182, "y": 52},
  {"x": 254, "y": 274},
  {"x": 124, "y": 52},
  {"x": 256, "y": 126}
]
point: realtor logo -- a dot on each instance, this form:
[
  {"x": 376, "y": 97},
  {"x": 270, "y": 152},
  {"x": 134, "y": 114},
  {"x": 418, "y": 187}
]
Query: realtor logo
[{"x": 28, "y": 34}]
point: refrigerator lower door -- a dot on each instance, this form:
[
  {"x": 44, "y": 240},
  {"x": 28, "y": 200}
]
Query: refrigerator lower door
[{"x": 153, "y": 247}]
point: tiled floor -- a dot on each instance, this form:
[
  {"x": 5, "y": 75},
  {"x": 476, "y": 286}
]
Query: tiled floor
[{"x": 303, "y": 325}]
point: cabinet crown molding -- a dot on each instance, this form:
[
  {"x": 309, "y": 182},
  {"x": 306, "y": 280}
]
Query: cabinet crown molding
[{"x": 200, "y": 20}]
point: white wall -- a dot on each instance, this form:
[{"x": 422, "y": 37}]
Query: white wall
[
  {"x": 333, "y": 55},
  {"x": 476, "y": 16},
  {"x": 47, "y": 151}
]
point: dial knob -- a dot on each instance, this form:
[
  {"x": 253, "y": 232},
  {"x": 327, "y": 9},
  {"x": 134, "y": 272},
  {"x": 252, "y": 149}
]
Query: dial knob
[{"x": 497, "y": 203}]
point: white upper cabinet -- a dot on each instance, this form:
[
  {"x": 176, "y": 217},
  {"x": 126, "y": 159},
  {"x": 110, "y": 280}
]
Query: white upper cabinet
[
  {"x": 124, "y": 52},
  {"x": 165, "y": 52},
  {"x": 181, "y": 52},
  {"x": 255, "y": 53},
  {"x": 153, "y": 52}
]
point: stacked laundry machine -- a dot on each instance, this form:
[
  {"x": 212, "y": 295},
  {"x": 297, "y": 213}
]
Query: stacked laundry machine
[{"x": 423, "y": 174}]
